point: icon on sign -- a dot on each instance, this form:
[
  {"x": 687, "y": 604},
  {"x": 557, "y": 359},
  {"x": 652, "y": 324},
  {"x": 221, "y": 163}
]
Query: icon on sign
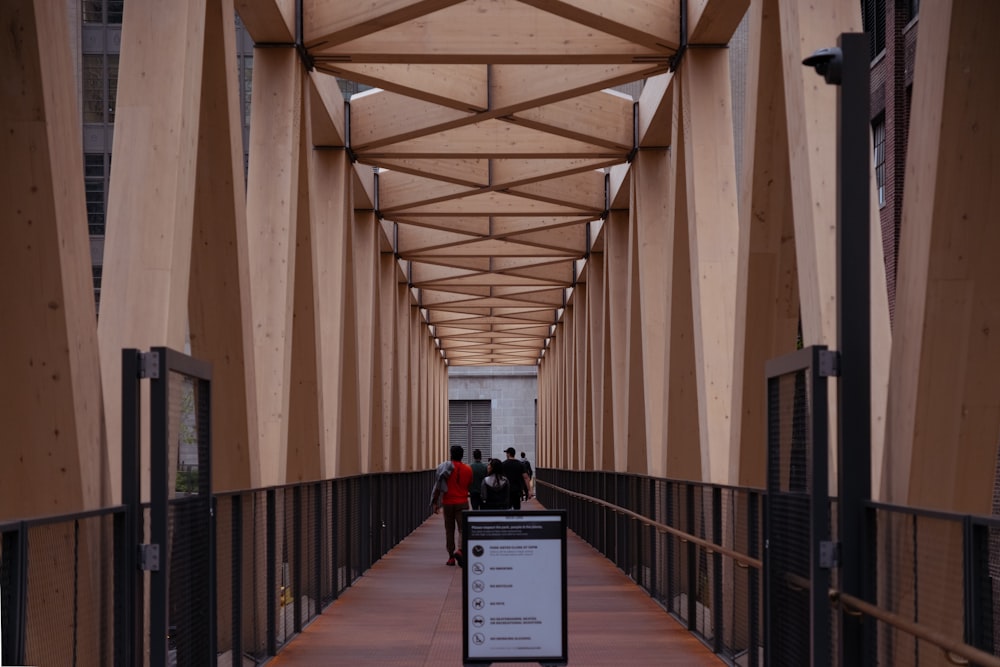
[
  {"x": 477, "y": 550},
  {"x": 478, "y": 586},
  {"x": 478, "y": 603},
  {"x": 478, "y": 568},
  {"x": 478, "y": 638},
  {"x": 478, "y": 621}
]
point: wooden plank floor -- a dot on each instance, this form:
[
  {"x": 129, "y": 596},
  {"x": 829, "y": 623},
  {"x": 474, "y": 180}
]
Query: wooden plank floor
[{"x": 407, "y": 611}]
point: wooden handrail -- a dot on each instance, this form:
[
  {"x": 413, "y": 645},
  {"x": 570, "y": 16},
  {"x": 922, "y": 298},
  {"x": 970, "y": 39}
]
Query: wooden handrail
[{"x": 741, "y": 559}]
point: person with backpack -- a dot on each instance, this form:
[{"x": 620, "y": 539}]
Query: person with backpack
[{"x": 494, "y": 489}]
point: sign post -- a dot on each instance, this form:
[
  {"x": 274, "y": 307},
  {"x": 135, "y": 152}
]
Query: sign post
[{"x": 514, "y": 587}]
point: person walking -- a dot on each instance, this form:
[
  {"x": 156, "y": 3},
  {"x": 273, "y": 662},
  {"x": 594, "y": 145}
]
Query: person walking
[
  {"x": 495, "y": 489},
  {"x": 531, "y": 475},
  {"x": 454, "y": 501},
  {"x": 479, "y": 473},
  {"x": 517, "y": 479}
]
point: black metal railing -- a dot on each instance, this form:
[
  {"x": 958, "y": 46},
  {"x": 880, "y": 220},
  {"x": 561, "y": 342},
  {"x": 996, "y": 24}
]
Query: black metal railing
[
  {"x": 697, "y": 549},
  {"x": 283, "y": 554}
]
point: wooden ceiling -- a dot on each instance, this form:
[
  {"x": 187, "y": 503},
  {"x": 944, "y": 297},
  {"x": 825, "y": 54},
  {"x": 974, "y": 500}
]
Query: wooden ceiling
[{"x": 492, "y": 127}]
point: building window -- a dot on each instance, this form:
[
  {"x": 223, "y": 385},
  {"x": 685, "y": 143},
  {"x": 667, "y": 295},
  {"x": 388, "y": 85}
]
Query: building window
[
  {"x": 873, "y": 16},
  {"x": 102, "y": 11},
  {"x": 914, "y": 7},
  {"x": 98, "y": 272},
  {"x": 95, "y": 187},
  {"x": 470, "y": 424},
  {"x": 247, "y": 77},
  {"x": 100, "y": 87},
  {"x": 878, "y": 135}
]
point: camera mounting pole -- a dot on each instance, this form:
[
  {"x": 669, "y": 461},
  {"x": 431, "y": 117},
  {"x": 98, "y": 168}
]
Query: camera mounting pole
[{"x": 848, "y": 67}]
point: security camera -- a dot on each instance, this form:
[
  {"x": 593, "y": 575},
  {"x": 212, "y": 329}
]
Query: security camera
[{"x": 827, "y": 63}]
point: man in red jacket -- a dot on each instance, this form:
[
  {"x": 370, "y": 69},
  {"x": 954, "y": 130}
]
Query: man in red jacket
[{"x": 454, "y": 502}]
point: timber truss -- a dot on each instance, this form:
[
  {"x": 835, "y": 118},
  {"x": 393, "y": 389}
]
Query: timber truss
[{"x": 493, "y": 128}]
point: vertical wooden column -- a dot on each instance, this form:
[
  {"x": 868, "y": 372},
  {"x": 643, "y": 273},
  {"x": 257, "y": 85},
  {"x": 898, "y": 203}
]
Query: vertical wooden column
[
  {"x": 406, "y": 445},
  {"x": 388, "y": 407},
  {"x": 584, "y": 415},
  {"x": 304, "y": 451},
  {"x": 616, "y": 257},
  {"x": 365, "y": 249},
  {"x": 714, "y": 231},
  {"x": 767, "y": 305},
  {"x": 636, "y": 458},
  {"x": 684, "y": 449},
  {"x": 944, "y": 415},
  {"x": 50, "y": 405},
  {"x": 597, "y": 385},
  {"x": 330, "y": 211},
  {"x": 272, "y": 201},
  {"x": 219, "y": 298},
  {"x": 652, "y": 208},
  {"x": 811, "y": 120},
  {"x": 150, "y": 213}
]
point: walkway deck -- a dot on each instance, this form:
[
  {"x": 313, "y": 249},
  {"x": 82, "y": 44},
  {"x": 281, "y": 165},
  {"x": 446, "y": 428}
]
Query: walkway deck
[{"x": 407, "y": 611}]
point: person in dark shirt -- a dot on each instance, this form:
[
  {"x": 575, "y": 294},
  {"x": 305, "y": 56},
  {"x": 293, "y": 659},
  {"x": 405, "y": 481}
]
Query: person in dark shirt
[
  {"x": 531, "y": 475},
  {"x": 478, "y": 474},
  {"x": 517, "y": 479}
]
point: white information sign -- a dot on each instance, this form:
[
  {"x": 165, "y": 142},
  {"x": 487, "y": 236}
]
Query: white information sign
[{"x": 514, "y": 588}]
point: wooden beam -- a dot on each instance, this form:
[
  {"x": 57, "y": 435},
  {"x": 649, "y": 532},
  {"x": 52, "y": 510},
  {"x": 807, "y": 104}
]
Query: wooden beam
[
  {"x": 329, "y": 23},
  {"x": 641, "y": 21},
  {"x": 326, "y": 111},
  {"x": 944, "y": 385},
  {"x": 767, "y": 306},
  {"x": 54, "y": 459},
  {"x": 305, "y": 445},
  {"x": 517, "y": 87},
  {"x": 603, "y": 118},
  {"x": 272, "y": 199},
  {"x": 399, "y": 190},
  {"x": 492, "y": 138},
  {"x": 268, "y": 21},
  {"x": 147, "y": 249},
  {"x": 491, "y": 31},
  {"x": 380, "y": 117},
  {"x": 656, "y": 110},
  {"x": 714, "y": 21},
  {"x": 462, "y": 87},
  {"x": 219, "y": 305},
  {"x": 714, "y": 232},
  {"x": 652, "y": 208}
]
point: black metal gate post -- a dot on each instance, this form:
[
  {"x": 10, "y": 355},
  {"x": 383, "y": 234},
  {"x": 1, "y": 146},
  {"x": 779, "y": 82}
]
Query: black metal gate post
[
  {"x": 181, "y": 519},
  {"x": 797, "y": 546}
]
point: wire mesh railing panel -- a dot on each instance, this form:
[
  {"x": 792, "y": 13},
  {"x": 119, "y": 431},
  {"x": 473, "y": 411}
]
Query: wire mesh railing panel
[
  {"x": 254, "y": 585},
  {"x": 70, "y": 593}
]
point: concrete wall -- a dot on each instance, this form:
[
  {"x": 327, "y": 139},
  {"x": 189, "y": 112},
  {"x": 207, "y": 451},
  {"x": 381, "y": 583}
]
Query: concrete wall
[{"x": 512, "y": 391}]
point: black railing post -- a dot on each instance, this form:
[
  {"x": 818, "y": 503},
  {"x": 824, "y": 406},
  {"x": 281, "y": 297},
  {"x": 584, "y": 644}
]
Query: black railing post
[
  {"x": 717, "y": 615},
  {"x": 317, "y": 572},
  {"x": 159, "y": 593},
  {"x": 237, "y": 576},
  {"x": 296, "y": 583},
  {"x": 753, "y": 578},
  {"x": 671, "y": 541},
  {"x": 130, "y": 605},
  {"x": 692, "y": 562},
  {"x": 14, "y": 582},
  {"x": 272, "y": 579}
]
